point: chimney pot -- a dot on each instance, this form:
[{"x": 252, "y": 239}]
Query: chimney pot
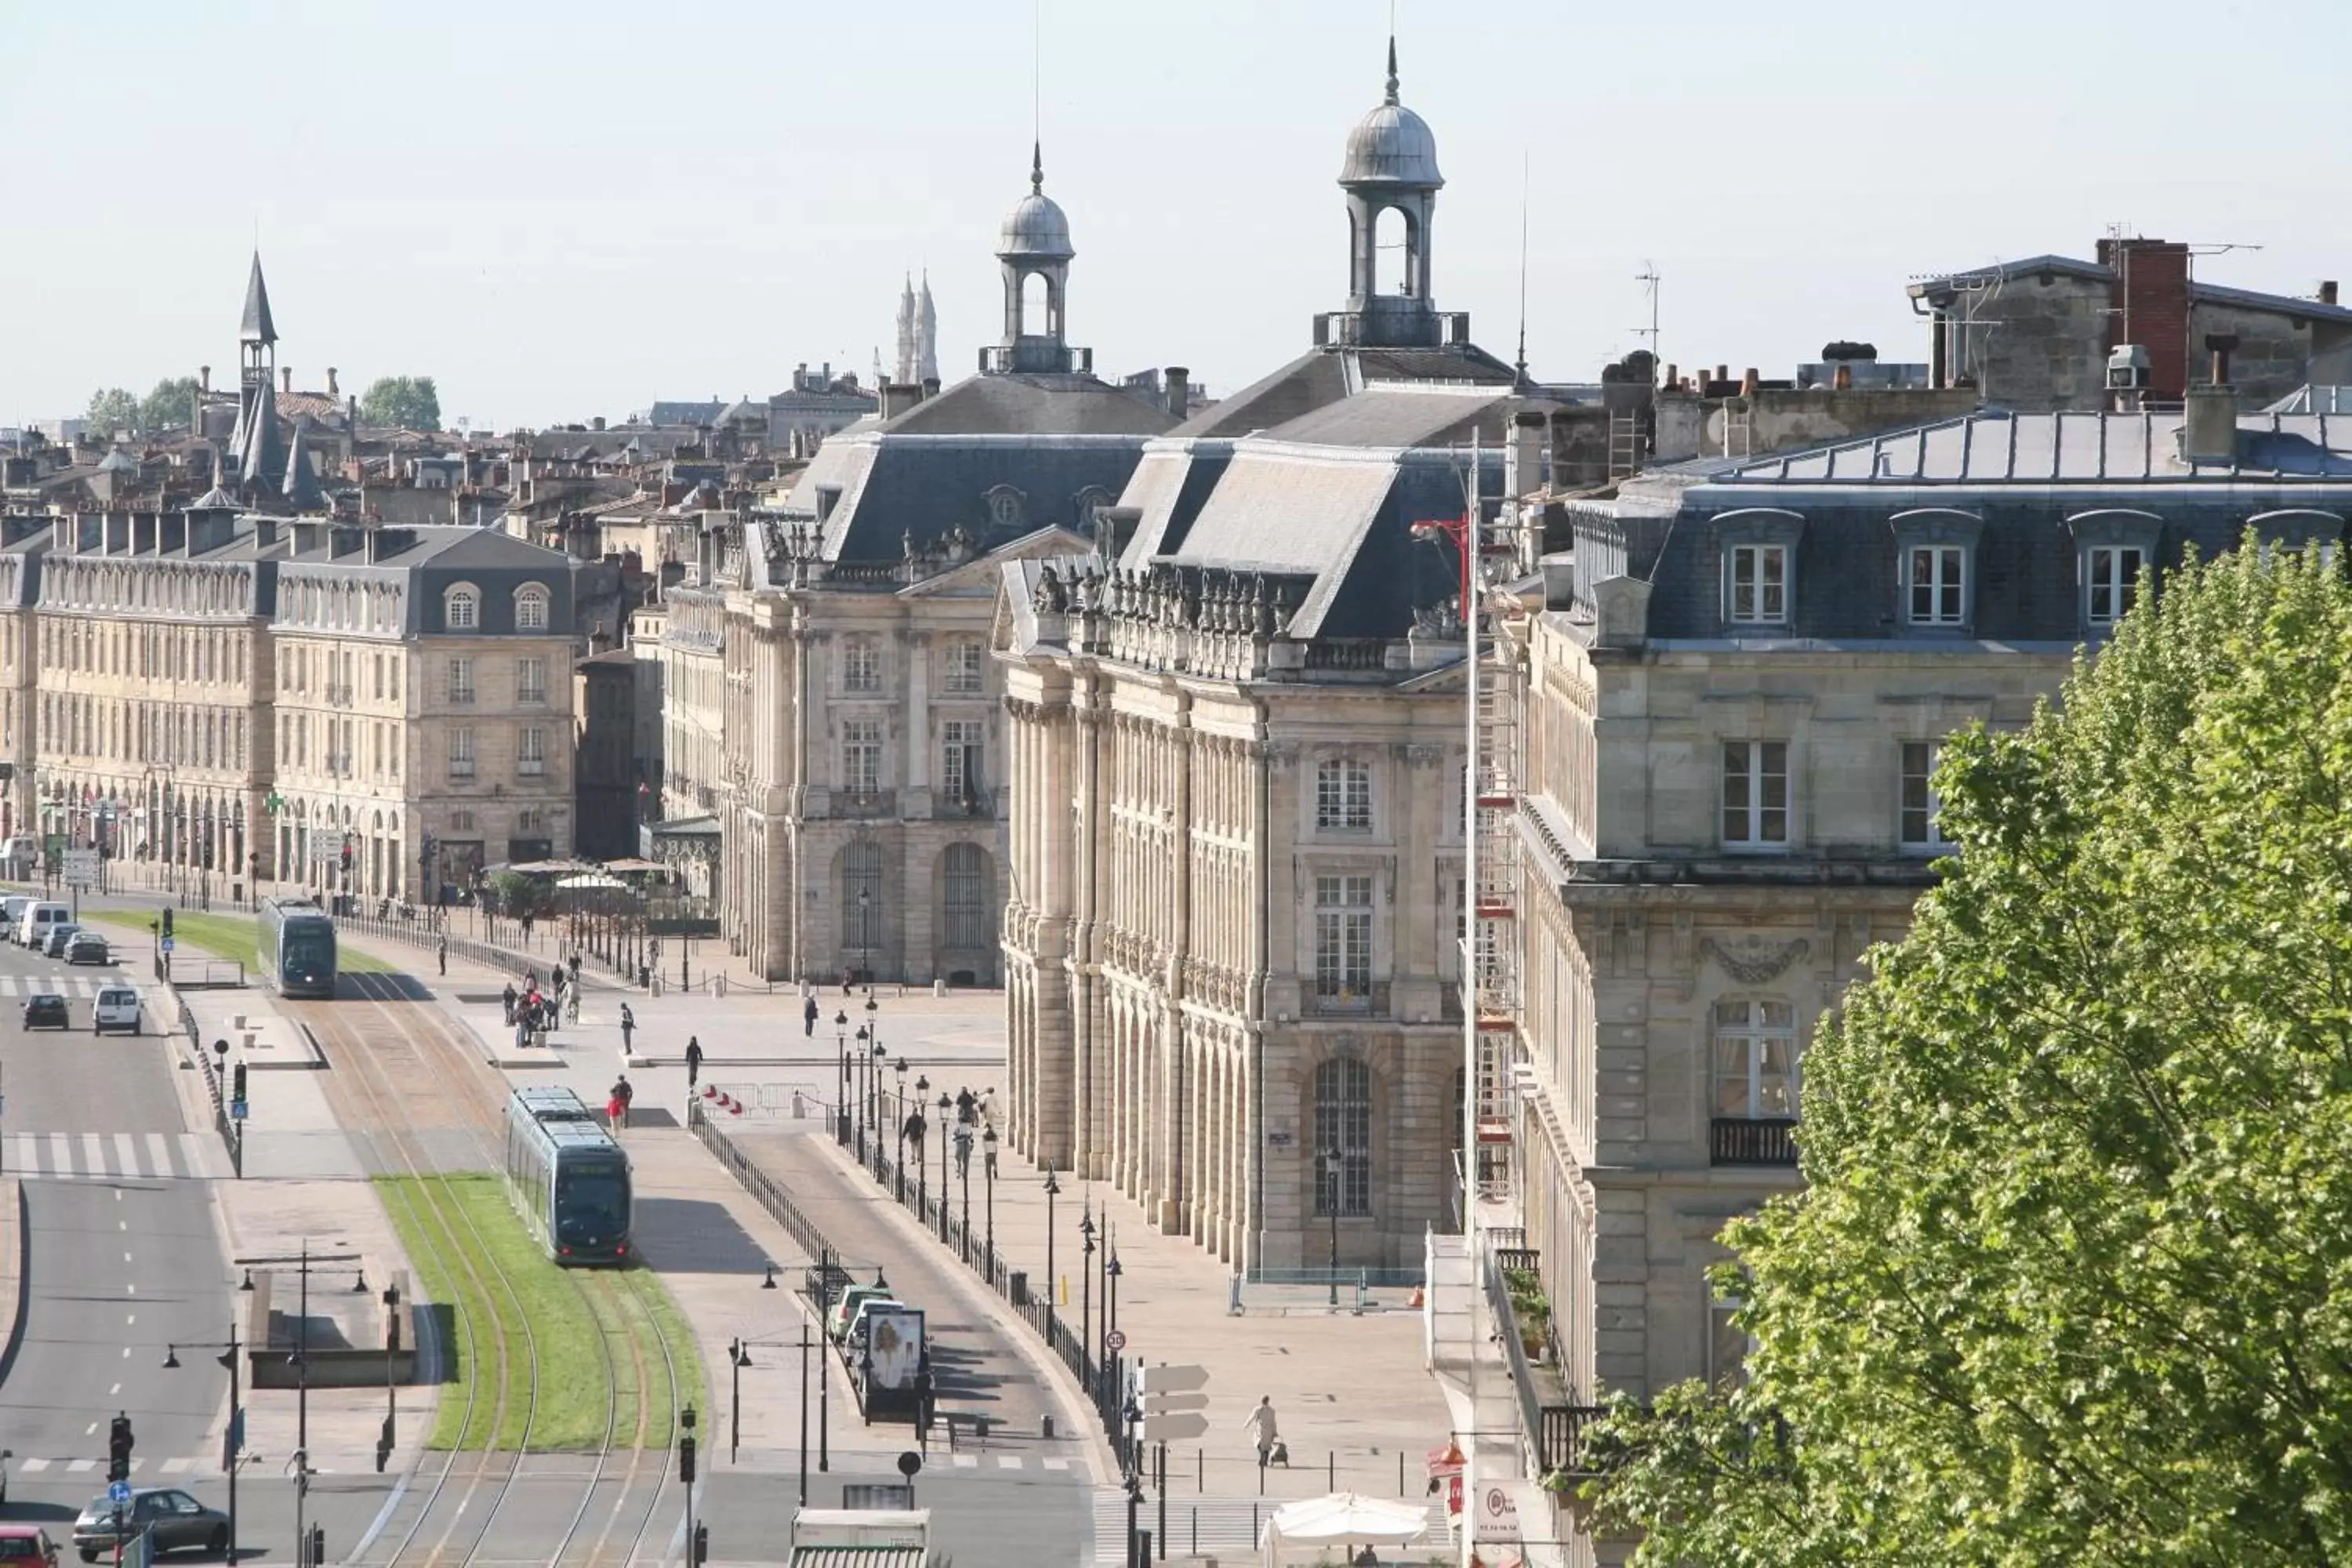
[
  {"x": 1723, "y": 372},
  {"x": 1843, "y": 381},
  {"x": 205, "y": 377},
  {"x": 285, "y": 378},
  {"x": 2221, "y": 345},
  {"x": 332, "y": 389},
  {"x": 1748, "y": 382},
  {"x": 1674, "y": 376},
  {"x": 2327, "y": 290},
  {"x": 1180, "y": 392}
]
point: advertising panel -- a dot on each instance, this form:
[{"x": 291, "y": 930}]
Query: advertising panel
[{"x": 894, "y": 1337}]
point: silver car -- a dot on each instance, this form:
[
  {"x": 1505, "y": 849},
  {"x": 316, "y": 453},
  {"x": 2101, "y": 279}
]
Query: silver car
[{"x": 172, "y": 1519}]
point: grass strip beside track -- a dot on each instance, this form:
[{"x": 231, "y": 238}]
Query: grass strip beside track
[
  {"x": 573, "y": 1389},
  {"x": 236, "y": 937}
]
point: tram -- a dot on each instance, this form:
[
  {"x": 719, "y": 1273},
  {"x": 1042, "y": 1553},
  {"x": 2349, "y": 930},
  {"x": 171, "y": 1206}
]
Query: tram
[
  {"x": 297, "y": 948},
  {"x": 568, "y": 1176}
]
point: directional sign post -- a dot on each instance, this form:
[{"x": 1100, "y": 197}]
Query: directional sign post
[
  {"x": 118, "y": 1492},
  {"x": 1174, "y": 1428},
  {"x": 1174, "y": 1400}
]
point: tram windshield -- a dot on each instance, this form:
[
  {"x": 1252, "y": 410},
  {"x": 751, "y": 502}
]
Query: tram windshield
[{"x": 592, "y": 1203}]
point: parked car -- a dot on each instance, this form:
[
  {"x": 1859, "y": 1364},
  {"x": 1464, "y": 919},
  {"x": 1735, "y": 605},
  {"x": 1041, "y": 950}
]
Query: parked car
[
  {"x": 34, "y": 924},
  {"x": 174, "y": 1519},
  {"x": 88, "y": 947},
  {"x": 117, "y": 1007},
  {"x": 27, "y": 1544},
  {"x": 846, "y": 1305},
  {"x": 865, "y": 1311},
  {"x": 54, "y": 943},
  {"x": 12, "y": 910},
  {"x": 47, "y": 1010}
]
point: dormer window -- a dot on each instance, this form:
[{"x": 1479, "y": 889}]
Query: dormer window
[
  {"x": 463, "y": 609},
  {"x": 1935, "y": 560},
  {"x": 530, "y": 608},
  {"x": 2111, "y": 582},
  {"x": 1759, "y": 558}
]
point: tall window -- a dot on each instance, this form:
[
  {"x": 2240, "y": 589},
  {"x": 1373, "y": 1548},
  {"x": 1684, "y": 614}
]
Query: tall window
[
  {"x": 965, "y": 871},
  {"x": 464, "y": 609},
  {"x": 1726, "y": 1345},
  {"x": 1343, "y": 795},
  {"x": 461, "y": 679},
  {"x": 531, "y": 822},
  {"x": 1756, "y": 583},
  {"x": 2110, "y": 577},
  {"x": 531, "y": 752},
  {"x": 1343, "y": 1137},
  {"x": 1756, "y": 794},
  {"x": 1921, "y": 830},
  {"x": 1936, "y": 583},
  {"x": 861, "y": 756},
  {"x": 861, "y": 665},
  {"x": 960, "y": 759},
  {"x": 461, "y": 753},
  {"x": 531, "y": 680},
  {"x": 530, "y": 608},
  {"x": 861, "y": 900},
  {"x": 1755, "y": 1058},
  {"x": 963, "y": 672},
  {"x": 1343, "y": 941}
]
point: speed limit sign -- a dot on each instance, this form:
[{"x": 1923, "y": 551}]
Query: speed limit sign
[{"x": 1114, "y": 1342}]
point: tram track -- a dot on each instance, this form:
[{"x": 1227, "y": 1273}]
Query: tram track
[{"x": 434, "y": 1053}]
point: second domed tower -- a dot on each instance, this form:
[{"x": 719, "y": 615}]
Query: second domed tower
[
  {"x": 1036, "y": 243},
  {"x": 1391, "y": 167}
]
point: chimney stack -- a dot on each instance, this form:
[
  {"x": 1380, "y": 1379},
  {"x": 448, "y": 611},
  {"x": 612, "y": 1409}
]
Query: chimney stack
[
  {"x": 2327, "y": 290},
  {"x": 1748, "y": 383},
  {"x": 1180, "y": 392},
  {"x": 1842, "y": 379},
  {"x": 205, "y": 377},
  {"x": 332, "y": 389},
  {"x": 285, "y": 373},
  {"x": 2221, "y": 345}
]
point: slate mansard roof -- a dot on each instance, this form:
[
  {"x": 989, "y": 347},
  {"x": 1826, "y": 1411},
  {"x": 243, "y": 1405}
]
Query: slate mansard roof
[{"x": 2024, "y": 494}]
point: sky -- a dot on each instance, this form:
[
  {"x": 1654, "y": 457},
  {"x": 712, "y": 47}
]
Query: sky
[{"x": 560, "y": 212}]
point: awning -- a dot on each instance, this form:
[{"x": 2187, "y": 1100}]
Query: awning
[
  {"x": 1349, "y": 1517},
  {"x": 591, "y": 879}
]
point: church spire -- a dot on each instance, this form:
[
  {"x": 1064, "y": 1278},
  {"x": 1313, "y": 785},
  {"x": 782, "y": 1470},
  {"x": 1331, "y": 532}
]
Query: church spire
[
  {"x": 927, "y": 334},
  {"x": 256, "y": 326}
]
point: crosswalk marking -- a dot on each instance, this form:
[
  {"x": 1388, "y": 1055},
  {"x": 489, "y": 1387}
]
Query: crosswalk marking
[
  {"x": 78, "y": 1466},
  {"x": 1057, "y": 1463},
  {"x": 965, "y": 1461},
  {"x": 29, "y": 1465},
  {"x": 178, "y": 1467},
  {"x": 78, "y": 986},
  {"x": 100, "y": 1155}
]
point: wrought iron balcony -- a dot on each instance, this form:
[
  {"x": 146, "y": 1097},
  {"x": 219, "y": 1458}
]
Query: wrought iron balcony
[{"x": 1753, "y": 1141}]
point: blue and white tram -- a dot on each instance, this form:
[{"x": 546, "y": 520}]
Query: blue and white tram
[{"x": 568, "y": 1176}]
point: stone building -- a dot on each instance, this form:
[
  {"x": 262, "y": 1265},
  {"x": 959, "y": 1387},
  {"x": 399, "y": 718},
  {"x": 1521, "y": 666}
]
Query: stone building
[
  {"x": 1735, "y": 695},
  {"x": 2035, "y": 335},
  {"x": 1236, "y": 751},
  {"x": 607, "y": 771},
  {"x": 837, "y": 709}
]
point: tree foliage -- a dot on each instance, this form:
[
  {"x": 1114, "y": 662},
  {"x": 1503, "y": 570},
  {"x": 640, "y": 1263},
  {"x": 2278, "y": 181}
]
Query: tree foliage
[
  {"x": 2072, "y": 1277},
  {"x": 172, "y": 404},
  {"x": 112, "y": 408},
  {"x": 403, "y": 402}
]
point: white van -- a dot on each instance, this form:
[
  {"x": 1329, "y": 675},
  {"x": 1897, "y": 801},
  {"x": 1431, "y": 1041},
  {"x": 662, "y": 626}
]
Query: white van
[
  {"x": 19, "y": 855},
  {"x": 117, "y": 1007},
  {"x": 33, "y": 925},
  {"x": 12, "y": 910}
]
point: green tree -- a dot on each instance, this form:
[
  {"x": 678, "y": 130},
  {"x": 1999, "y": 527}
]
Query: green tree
[
  {"x": 403, "y": 402},
  {"x": 170, "y": 405},
  {"x": 2072, "y": 1277},
  {"x": 111, "y": 409}
]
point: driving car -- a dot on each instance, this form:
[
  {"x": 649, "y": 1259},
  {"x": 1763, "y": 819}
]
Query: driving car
[
  {"x": 173, "y": 1518},
  {"x": 116, "y": 1007},
  {"x": 27, "y": 1544},
  {"x": 53, "y": 944},
  {"x": 47, "y": 1010},
  {"x": 88, "y": 947}
]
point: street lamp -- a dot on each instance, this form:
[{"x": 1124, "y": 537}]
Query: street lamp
[
  {"x": 1111, "y": 1271},
  {"x": 963, "y": 1178},
  {"x": 988, "y": 1173},
  {"x": 1329, "y": 1160},
  {"x": 1086, "y": 1297},
  {"x": 1052, "y": 1189},
  {"x": 739, "y": 1356},
  {"x": 864, "y": 936},
  {"x": 841, "y": 1078},
  {"x": 947, "y": 1110},
  {"x": 233, "y": 1444}
]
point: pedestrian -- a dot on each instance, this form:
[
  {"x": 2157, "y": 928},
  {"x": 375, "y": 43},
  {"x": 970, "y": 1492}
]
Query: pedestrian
[
  {"x": 507, "y": 997},
  {"x": 526, "y": 925},
  {"x": 617, "y": 1110},
  {"x": 1264, "y": 1431},
  {"x": 846, "y": 982},
  {"x": 966, "y": 1102},
  {"x": 628, "y": 1027},
  {"x": 572, "y": 1004},
  {"x": 575, "y": 968},
  {"x": 808, "y": 1017},
  {"x": 693, "y": 1059},
  {"x": 441, "y": 951},
  {"x": 523, "y": 1034}
]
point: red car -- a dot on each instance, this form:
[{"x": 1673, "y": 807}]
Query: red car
[{"x": 27, "y": 1544}]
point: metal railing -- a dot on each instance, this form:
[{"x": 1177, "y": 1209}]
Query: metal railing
[
  {"x": 232, "y": 1131},
  {"x": 1752, "y": 1140},
  {"x": 1553, "y": 1426}
]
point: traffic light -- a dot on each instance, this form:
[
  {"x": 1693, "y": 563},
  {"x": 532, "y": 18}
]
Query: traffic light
[
  {"x": 686, "y": 1459},
  {"x": 384, "y": 1445},
  {"x": 167, "y": 919},
  {"x": 318, "y": 1546},
  {"x": 237, "y": 1081},
  {"x": 118, "y": 1449},
  {"x": 702, "y": 1545}
]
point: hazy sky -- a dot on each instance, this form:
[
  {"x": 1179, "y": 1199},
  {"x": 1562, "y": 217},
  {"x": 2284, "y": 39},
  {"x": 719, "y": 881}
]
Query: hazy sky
[{"x": 562, "y": 211}]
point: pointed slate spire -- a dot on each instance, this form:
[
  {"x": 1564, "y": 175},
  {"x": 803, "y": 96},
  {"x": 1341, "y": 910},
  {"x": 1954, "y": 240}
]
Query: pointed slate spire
[
  {"x": 257, "y": 328},
  {"x": 1393, "y": 76},
  {"x": 302, "y": 487}
]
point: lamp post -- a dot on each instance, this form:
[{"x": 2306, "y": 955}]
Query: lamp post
[
  {"x": 739, "y": 1356},
  {"x": 1052, "y": 1189},
  {"x": 874, "y": 1055},
  {"x": 947, "y": 1110},
  {"x": 302, "y": 1264},
  {"x": 864, "y": 936},
  {"x": 233, "y": 1442},
  {"x": 918, "y": 1127},
  {"x": 963, "y": 1179},
  {"x": 988, "y": 1175},
  {"x": 841, "y": 1078},
  {"x": 898, "y": 1120},
  {"x": 1329, "y": 1160},
  {"x": 1087, "y": 1301}
]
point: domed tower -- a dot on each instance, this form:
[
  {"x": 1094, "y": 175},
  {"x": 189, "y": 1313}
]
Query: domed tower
[
  {"x": 1036, "y": 243},
  {"x": 1391, "y": 166}
]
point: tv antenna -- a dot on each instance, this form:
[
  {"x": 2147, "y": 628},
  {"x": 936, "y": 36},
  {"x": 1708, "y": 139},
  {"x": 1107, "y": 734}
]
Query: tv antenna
[{"x": 1648, "y": 277}]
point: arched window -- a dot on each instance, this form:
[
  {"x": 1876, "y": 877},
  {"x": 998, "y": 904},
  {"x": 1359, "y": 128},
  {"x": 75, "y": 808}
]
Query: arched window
[
  {"x": 861, "y": 904},
  {"x": 530, "y": 608},
  {"x": 1343, "y": 1137},
  {"x": 965, "y": 872},
  {"x": 463, "y": 609}
]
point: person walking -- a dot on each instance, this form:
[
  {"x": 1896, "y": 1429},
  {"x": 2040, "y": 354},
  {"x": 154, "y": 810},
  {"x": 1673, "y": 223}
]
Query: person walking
[
  {"x": 441, "y": 951},
  {"x": 619, "y": 1109},
  {"x": 808, "y": 1017},
  {"x": 628, "y": 1027},
  {"x": 693, "y": 1061},
  {"x": 1264, "y": 1433},
  {"x": 575, "y": 968},
  {"x": 507, "y": 997}
]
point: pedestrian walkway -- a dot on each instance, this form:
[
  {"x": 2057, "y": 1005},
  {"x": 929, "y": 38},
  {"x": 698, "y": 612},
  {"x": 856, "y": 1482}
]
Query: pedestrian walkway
[
  {"x": 79, "y": 987},
  {"x": 101, "y": 1156},
  {"x": 1225, "y": 1527}
]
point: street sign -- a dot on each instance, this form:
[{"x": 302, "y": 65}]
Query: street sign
[
  {"x": 81, "y": 868},
  {"x": 1114, "y": 1342},
  {"x": 1172, "y": 1379},
  {"x": 168, "y": 941},
  {"x": 1174, "y": 1428},
  {"x": 236, "y": 1111},
  {"x": 1157, "y": 1404},
  {"x": 118, "y": 1492}
]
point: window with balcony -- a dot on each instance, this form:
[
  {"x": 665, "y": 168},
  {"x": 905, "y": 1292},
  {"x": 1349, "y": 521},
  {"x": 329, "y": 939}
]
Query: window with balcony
[
  {"x": 1343, "y": 1138},
  {"x": 1754, "y": 1074},
  {"x": 461, "y": 679},
  {"x": 1920, "y": 833},
  {"x": 1756, "y": 794},
  {"x": 1756, "y": 585},
  {"x": 959, "y": 758},
  {"x": 861, "y": 756},
  {"x": 531, "y": 680},
  {"x": 531, "y": 752},
  {"x": 530, "y": 608},
  {"x": 1343, "y": 795},
  {"x": 861, "y": 665},
  {"x": 461, "y": 753},
  {"x": 964, "y": 672},
  {"x": 970, "y": 928},
  {"x": 1343, "y": 943}
]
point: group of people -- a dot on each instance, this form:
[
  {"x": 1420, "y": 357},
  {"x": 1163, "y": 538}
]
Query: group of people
[{"x": 529, "y": 1009}]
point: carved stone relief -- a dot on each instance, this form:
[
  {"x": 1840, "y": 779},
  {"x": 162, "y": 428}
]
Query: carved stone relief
[{"x": 1754, "y": 959}]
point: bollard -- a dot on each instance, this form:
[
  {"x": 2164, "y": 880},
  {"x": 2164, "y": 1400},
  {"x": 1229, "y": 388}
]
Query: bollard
[
  {"x": 1331, "y": 1472},
  {"x": 1048, "y": 1426}
]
